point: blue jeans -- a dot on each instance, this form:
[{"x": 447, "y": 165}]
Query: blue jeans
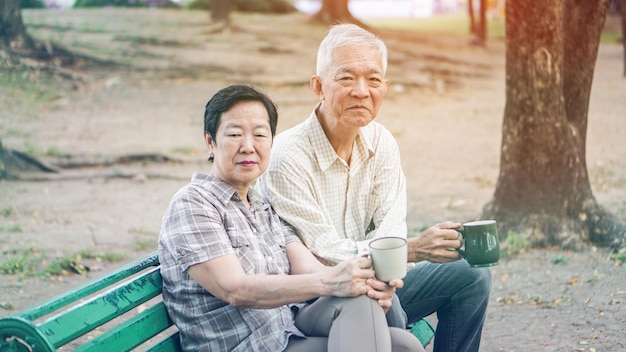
[{"x": 458, "y": 293}]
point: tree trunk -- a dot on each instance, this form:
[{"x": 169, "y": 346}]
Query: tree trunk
[
  {"x": 17, "y": 43},
  {"x": 12, "y": 32},
  {"x": 470, "y": 10},
  {"x": 543, "y": 188},
  {"x": 622, "y": 9},
  {"x": 220, "y": 11},
  {"x": 335, "y": 11},
  {"x": 481, "y": 30},
  {"x": 478, "y": 28}
]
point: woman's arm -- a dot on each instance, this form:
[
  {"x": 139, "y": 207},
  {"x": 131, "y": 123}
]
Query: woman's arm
[
  {"x": 224, "y": 278},
  {"x": 301, "y": 259}
]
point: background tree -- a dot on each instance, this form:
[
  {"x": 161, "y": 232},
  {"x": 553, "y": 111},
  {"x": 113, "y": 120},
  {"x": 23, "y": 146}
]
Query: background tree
[
  {"x": 543, "y": 188},
  {"x": 334, "y": 11},
  {"x": 16, "y": 43},
  {"x": 220, "y": 11},
  {"x": 621, "y": 4},
  {"x": 13, "y": 35},
  {"x": 478, "y": 27}
]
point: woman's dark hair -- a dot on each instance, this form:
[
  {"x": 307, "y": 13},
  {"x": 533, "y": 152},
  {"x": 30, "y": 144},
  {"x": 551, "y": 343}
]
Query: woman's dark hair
[{"x": 228, "y": 97}]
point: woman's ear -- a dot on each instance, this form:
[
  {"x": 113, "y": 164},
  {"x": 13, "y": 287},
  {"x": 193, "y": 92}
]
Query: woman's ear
[
  {"x": 316, "y": 86},
  {"x": 209, "y": 141}
]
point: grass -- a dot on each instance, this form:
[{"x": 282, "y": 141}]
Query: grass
[
  {"x": 458, "y": 24},
  {"x": 33, "y": 262},
  {"x": 447, "y": 24},
  {"x": 11, "y": 228},
  {"x": 619, "y": 258},
  {"x": 515, "y": 243},
  {"x": 7, "y": 211},
  {"x": 21, "y": 261},
  {"x": 560, "y": 259},
  {"x": 28, "y": 84}
]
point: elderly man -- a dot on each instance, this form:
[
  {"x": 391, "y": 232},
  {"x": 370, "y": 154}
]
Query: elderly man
[{"x": 337, "y": 179}]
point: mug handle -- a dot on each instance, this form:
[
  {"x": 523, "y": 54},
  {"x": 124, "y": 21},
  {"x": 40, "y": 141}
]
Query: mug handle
[{"x": 462, "y": 238}]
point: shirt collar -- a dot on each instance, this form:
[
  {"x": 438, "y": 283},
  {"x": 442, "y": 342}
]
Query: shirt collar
[
  {"x": 226, "y": 193},
  {"x": 322, "y": 148}
]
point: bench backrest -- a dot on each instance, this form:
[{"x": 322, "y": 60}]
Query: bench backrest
[{"x": 74, "y": 318}]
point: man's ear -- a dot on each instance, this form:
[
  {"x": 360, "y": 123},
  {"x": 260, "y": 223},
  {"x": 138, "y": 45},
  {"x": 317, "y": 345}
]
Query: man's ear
[{"x": 316, "y": 86}]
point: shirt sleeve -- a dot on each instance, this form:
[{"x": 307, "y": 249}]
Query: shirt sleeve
[{"x": 192, "y": 230}]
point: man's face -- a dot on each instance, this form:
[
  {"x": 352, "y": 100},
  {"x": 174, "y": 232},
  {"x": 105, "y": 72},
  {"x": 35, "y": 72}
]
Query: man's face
[{"x": 353, "y": 87}]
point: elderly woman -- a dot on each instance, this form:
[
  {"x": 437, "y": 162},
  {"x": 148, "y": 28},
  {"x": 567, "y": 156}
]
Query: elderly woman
[{"x": 236, "y": 278}]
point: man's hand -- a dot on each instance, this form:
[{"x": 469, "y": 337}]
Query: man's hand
[
  {"x": 436, "y": 245},
  {"x": 382, "y": 292}
]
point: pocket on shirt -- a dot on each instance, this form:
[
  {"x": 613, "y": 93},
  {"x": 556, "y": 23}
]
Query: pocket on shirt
[
  {"x": 243, "y": 249},
  {"x": 370, "y": 202}
]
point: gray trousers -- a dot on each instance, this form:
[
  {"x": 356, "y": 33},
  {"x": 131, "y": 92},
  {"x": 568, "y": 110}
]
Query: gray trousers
[{"x": 349, "y": 324}]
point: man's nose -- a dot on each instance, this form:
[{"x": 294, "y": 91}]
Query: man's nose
[{"x": 360, "y": 88}]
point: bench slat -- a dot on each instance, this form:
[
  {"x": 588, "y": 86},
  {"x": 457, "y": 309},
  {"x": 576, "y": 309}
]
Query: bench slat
[
  {"x": 66, "y": 298},
  {"x": 68, "y": 325},
  {"x": 131, "y": 333},
  {"x": 170, "y": 344}
]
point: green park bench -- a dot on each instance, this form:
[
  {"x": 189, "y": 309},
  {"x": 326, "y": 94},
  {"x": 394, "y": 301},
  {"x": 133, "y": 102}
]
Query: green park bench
[{"x": 117, "y": 312}]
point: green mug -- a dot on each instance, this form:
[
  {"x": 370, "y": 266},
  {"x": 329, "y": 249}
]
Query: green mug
[{"x": 479, "y": 243}]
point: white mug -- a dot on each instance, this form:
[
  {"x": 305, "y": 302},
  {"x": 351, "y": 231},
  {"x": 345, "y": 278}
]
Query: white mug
[{"x": 389, "y": 255}]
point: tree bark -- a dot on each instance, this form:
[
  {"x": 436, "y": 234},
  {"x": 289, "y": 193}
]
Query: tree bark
[
  {"x": 335, "y": 11},
  {"x": 478, "y": 28},
  {"x": 220, "y": 11},
  {"x": 622, "y": 9},
  {"x": 470, "y": 10},
  {"x": 543, "y": 188},
  {"x": 17, "y": 43},
  {"x": 13, "y": 35}
]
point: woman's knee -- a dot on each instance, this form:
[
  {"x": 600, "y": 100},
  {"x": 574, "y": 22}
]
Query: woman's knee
[{"x": 404, "y": 341}]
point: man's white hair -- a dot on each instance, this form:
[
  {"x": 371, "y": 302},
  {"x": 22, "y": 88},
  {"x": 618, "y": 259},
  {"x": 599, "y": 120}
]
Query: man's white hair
[{"x": 343, "y": 35}]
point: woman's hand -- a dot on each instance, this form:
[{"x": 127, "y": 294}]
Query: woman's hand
[
  {"x": 383, "y": 292},
  {"x": 349, "y": 278}
]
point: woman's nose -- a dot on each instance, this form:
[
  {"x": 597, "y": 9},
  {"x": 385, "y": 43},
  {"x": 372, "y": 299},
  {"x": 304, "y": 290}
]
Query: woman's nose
[{"x": 247, "y": 144}]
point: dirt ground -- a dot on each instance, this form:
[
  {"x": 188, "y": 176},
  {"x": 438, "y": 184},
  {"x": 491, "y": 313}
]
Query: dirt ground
[{"x": 445, "y": 106}]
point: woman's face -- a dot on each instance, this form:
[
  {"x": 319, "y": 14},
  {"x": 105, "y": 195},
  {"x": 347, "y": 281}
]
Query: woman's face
[{"x": 242, "y": 144}]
